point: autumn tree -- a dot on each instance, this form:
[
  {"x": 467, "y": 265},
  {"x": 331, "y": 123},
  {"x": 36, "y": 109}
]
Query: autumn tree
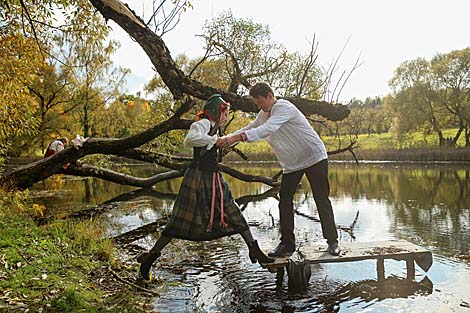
[
  {"x": 451, "y": 73},
  {"x": 415, "y": 101},
  {"x": 244, "y": 46},
  {"x": 51, "y": 91},
  {"x": 434, "y": 93},
  {"x": 35, "y": 75},
  {"x": 183, "y": 88},
  {"x": 95, "y": 78},
  {"x": 18, "y": 62}
]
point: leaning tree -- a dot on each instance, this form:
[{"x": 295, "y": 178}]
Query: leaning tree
[{"x": 184, "y": 89}]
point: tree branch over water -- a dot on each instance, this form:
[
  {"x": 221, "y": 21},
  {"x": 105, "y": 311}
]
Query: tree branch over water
[{"x": 182, "y": 87}]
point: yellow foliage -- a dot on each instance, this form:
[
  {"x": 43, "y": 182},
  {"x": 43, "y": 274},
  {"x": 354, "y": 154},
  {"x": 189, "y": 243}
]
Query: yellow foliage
[
  {"x": 19, "y": 60},
  {"x": 147, "y": 107},
  {"x": 38, "y": 209}
]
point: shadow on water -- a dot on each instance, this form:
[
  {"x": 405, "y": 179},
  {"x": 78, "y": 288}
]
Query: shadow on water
[{"x": 424, "y": 204}]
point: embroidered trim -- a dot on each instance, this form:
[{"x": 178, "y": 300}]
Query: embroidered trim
[{"x": 244, "y": 136}]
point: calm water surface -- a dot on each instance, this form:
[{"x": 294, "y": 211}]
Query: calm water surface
[{"x": 428, "y": 205}]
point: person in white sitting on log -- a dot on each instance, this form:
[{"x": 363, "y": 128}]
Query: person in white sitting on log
[
  {"x": 299, "y": 151},
  {"x": 56, "y": 146}
]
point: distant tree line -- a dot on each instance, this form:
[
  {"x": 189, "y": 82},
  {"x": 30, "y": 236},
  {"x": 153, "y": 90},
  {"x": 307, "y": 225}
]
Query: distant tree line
[{"x": 427, "y": 96}]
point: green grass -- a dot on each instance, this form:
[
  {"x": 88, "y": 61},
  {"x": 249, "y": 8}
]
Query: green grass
[
  {"x": 415, "y": 140},
  {"x": 413, "y": 147},
  {"x": 49, "y": 267}
]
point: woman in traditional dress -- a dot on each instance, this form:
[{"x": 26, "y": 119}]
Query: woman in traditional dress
[{"x": 204, "y": 208}]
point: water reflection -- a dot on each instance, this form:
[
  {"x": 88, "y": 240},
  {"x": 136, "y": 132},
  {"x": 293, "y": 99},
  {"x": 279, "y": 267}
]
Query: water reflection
[{"x": 427, "y": 205}]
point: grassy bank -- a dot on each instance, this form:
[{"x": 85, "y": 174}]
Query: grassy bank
[
  {"x": 59, "y": 267},
  {"x": 378, "y": 147},
  {"x": 381, "y": 147},
  {"x": 414, "y": 140},
  {"x": 414, "y": 155},
  {"x": 409, "y": 154}
]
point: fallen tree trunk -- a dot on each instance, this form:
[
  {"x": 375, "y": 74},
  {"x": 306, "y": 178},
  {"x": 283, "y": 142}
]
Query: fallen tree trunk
[
  {"x": 179, "y": 83},
  {"x": 26, "y": 175},
  {"x": 178, "y": 168},
  {"x": 182, "y": 163},
  {"x": 180, "y": 86}
]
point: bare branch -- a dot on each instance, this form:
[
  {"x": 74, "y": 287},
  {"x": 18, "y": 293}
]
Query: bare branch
[
  {"x": 23, "y": 6},
  {"x": 119, "y": 178},
  {"x": 169, "y": 20},
  {"x": 309, "y": 63},
  {"x": 140, "y": 288},
  {"x": 332, "y": 69},
  {"x": 182, "y": 163},
  {"x": 202, "y": 60},
  {"x": 355, "y": 66},
  {"x": 349, "y": 148}
]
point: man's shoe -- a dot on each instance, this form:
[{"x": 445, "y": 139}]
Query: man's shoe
[
  {"x": 281, "y": 250},
  {"x": 333, "y": 249}
]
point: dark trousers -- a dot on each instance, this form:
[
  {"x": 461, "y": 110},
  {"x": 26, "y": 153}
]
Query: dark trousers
[{"x": 317, "y": 176}]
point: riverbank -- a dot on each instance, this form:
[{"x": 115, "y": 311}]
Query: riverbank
[
  {"x": 410, "y": 154},
  {"x": 219, "y": 276},
  {"x": 64, "y": 266},
  {"x": 262, "y": 152}
]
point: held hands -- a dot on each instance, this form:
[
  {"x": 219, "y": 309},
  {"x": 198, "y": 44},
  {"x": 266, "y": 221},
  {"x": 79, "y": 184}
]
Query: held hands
[
  {"x": 220, "y": 141},
  {"x": 227, "y": 141}
]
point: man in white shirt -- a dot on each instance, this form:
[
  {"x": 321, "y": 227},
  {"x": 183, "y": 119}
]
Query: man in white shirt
[{"x": 299, "y": 151}]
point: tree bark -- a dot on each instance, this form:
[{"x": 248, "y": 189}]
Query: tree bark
[
  {"x": 182, "y": 163},
  {"x": 179, "y": 83},
  {"x": 180, "y": 86},
  {"x": 119, "y": 178},
  {"x": 26, "y": 175}
]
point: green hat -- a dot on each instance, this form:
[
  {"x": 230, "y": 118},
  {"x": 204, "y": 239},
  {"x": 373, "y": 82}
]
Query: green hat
[{"x": 212, "y": 106}]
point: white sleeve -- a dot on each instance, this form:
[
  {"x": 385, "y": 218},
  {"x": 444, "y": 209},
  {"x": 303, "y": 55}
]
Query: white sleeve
[
  {"x": 60, "y": 147},
  {"x": 279, "y": 116},
  {"x": 56, "y": 146},
  {"x": 198, "y": 135},
  {"x": 253, "y": 124}
]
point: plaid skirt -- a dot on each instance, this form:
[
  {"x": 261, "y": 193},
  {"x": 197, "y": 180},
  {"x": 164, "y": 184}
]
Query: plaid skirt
[{"x": 190, "y": 219}]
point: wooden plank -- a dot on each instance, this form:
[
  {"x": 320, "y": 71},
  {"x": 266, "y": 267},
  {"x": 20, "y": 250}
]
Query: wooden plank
[{"x": 356, "y": 251}]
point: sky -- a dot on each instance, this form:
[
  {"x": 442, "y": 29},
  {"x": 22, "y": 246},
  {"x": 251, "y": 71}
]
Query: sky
[{"x": 383, "y": 34}]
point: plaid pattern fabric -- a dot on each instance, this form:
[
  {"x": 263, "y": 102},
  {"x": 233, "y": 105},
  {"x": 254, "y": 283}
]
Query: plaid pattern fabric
[{"x": 191, "y": 210}]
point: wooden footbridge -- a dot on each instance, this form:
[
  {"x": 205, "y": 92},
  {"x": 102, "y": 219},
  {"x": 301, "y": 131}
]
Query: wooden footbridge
[{"x": 358, "y": 251}]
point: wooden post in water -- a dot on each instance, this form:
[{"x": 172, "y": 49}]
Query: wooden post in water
[
  {"x": 410, "y": 269},
  {"x": 380, "y": 269}
]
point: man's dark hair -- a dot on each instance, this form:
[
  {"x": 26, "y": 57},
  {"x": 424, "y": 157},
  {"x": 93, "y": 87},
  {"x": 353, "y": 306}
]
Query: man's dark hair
[{"x": 261, "y": 90}]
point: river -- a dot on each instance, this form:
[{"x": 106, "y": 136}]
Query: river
[{"x": 427, "y": 204}]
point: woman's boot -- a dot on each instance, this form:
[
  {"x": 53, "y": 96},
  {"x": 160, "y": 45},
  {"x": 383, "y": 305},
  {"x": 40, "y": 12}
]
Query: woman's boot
[
  {"x": 146, "y": 260},
  {"x": 257, "y": 255}
]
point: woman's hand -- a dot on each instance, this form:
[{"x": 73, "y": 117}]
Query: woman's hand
[
  {"x": 229, "y": 140},
  {"x": 221, "y": 141}
]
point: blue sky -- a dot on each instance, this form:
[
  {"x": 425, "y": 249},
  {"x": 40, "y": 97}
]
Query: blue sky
[{"x": 383, "y": 33}]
